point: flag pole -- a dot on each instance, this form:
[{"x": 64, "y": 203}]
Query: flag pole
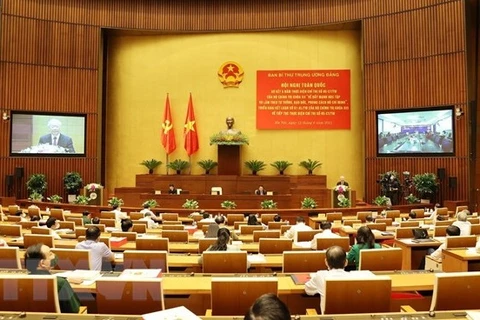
[
  {"x": 190, "y": 160},
  {"x": 166, "y": 166}
]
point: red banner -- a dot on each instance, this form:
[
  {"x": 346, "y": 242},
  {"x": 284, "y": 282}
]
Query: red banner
[{"x": 303, "y": 99}]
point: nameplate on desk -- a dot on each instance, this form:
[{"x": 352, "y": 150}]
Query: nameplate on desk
[
  {"x": 322, "y": 216},
  {"x": 158, "y": 192}
]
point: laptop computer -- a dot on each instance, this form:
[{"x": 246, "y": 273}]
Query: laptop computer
[{"x": 421, "y": 235}]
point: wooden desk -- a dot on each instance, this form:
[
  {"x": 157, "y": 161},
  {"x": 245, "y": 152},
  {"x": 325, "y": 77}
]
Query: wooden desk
[
  {"x": 347, "y": 231},
  {"x": 461, "y": 259},
  {"x": 194, "y": 291},
  {"x": 413, "y": 253}
]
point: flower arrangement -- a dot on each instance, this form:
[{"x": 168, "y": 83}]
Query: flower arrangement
[
  {"x": 381, "y": 201},
  {"x": 190, "y": 204},
  {"x": 115, "y": 201},
  {"x": 411, "y": 199},
  {"x": 93, "y": 186},
  {"x": 228, "y": 204},
  {"x": 83, "y": 200},
  {"x": 55, "y": 198},
  {"x": 229, "y": 139},
  {"x": 268, "y": 204},
  {"x": 344, "y": 202},
  {"x": 35, "y": 196},
  {"x": 151, "y": 203},
  {"x": 341, "y": 188},
  {"x": 308, "y": 203}
]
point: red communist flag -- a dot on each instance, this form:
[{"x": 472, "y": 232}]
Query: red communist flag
[
  {"x": 190, "y": 130},
  {"x": 168, "y": 135}
]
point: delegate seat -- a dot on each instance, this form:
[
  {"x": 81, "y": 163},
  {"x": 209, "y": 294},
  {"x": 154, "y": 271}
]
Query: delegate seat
[
  {"x": 171, "y": 222},
  {"x": 307, "y": 235},
  {"x": 303, "y": 261},
  {"x": 145, "y": 259},
  {"x": 78, "y": 222},
  {"x": 10, "y": 258},
  {"x": 224, "y": 261},
  {"x": 136, "y": 215},
  {"x": 131, "y": 236},
  {"x": 267, "y": 246},
  {"x": 227, "y": 290},
  {"x": 258, "y": 234},
  {"x": 152, "y": 244},
  {"x": 385, "y": 259},
  {"x": 440, "y": 231},
  {"x": 57, "y": 213},
  {"x": 388, "y": 221},
  {"x": 139, "y": 227},
  {"x": 456, "y": 291},
  {"x": 474, "y": 220},
  {"x": 246, "y": 229},
  {"x": 72, "y": 259},
  {"x": 31, "y": 239},
  {"x": 404, "y": 233},
  {"x": 39, "y": 230},
  {"x": 334, "y": 216},
  {"x": 360, "y": 293},
  {"x": 129, "y": 296},
  {"x": 234, "y": 217},
  {"x": 33, "y": 212},
  {"x": 100, "y": 226},
  {"x": 392, "y": 214},
  {"x": 169, "y": 216},
  {"x": 175, "y": 235},
  {"x": 265, "y": 218},
  {"x": 67, "y": 225},
  {"x": 204, "y": 244},
  {"x": 325, "y": 243},
  {"x": 419, "y": 213},
  {"x": 12, "y": 209},
  {"x": 12, "y": 218},
  {"x": 108, "y": 222},
  {"x": 10, "y": 230},
  {"x": 460, "y": 242},
  {"x": 166, "y": 227},
  {"x": 362, "y": 215},
  {"x": 475, "y": 229},
  {"x": 377, "y": 226},
  {"x": 351, "y": 222},
  {"x": 409, "y": 224},
  {"x": 107, "y": 215},
  {"x": 28, "y": 224},
  {"x": 273, "y": 225}
]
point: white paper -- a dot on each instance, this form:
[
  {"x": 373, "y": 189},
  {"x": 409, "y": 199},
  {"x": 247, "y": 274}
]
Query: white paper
[
  {"x": 473, "y": 315},
  {"x": 178, "y": 313},
  {"x": 303, "y": 244},
  {"x": 140, "y": 273},
  {"x": 256, "y": 258}
]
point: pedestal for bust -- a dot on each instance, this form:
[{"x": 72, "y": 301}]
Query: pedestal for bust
[{"x": 229, "y": 160}]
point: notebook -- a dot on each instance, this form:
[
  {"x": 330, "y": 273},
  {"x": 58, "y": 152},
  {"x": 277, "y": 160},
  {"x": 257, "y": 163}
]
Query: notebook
[
  {"x": 421, "y": 235},
  {"x": 300, "y": 278}
]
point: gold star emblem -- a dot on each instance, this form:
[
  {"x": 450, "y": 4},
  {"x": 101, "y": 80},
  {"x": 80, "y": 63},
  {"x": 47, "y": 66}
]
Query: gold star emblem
[
  {"x": 189, "y": 126},
  {"x": 167, "y": 126},
  {"x": 230, "y": 68}
]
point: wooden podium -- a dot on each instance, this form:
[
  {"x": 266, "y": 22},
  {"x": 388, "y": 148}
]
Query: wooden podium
[
  {"x": 229, "y": 159},
  {"x": 347, "y": 194},
  {"x": 95, "y": 196}
]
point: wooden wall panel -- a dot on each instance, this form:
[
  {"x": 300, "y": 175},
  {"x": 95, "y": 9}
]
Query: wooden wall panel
[
  {"x": 414, "y": 55},
  {"x": 33, "y": 87},
  {"x": 49, "y": 43}
]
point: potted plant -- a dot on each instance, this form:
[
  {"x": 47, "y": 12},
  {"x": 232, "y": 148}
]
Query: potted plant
[
  {"x": 82, "y": 200},
  {"x": 268, "y": 204},
  {"x": 72, "y": 182},
  {"x": 310, "y": 165},
  {"x": 178, "y": 165},
  {"x": 37, "y": 183},
  {"x": 308, "y": 203},
  {"x": 35, "y": 197},
  {"x": 151, "y": 203},
  {"x": 255, "y": 166},
  {"x": 190, "y": 204},
  {"x": 381, "y": 201},
  {"x": 115, "y": 202},
  {"x": 207, "y": 165},
  {"x": 55, "y": 198},
  {"x": 151, "y": 164},
  {"x": 228, "y": 204},
  {"x": 411, "y": 199},
  {"x": 344, "y": 202},
  {"x": 426, "y": 185},
  {"x": 281, "y": 165}
]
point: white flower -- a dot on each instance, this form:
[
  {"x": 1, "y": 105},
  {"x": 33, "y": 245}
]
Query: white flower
[{"x": 341, "y": 188}]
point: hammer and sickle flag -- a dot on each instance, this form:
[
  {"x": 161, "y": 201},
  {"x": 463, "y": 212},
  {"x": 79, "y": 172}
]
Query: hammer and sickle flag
[{"x": 168, "y": 135}]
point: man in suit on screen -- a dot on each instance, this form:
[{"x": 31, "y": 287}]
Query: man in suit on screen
[{"x": 55, "y": 138}]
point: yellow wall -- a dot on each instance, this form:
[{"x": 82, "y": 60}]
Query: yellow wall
[{"x": 142, "y": 69}]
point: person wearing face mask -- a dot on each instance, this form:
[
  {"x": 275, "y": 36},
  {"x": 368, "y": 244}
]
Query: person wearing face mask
[{"x": 39, "y": 260}]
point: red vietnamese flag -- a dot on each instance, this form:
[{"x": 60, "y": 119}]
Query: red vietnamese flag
[
  {"x": 190, "y": 130},
  {"x": 168, "y": 135}
]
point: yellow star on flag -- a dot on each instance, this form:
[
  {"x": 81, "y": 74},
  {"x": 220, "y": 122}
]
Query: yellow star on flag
[{"x": 189, "y": 126}]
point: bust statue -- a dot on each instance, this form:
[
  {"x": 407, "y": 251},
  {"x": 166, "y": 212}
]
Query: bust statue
[{"x": 230, "y": 130}]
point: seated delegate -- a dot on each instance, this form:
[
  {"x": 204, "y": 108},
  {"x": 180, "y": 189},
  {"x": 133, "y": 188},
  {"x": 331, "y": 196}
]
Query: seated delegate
[{"x": 261, "y": 191}]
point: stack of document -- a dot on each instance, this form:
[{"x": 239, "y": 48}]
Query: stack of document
[
  {"x": 87, "y": 276},
  {"x": 141, "y": 273}
]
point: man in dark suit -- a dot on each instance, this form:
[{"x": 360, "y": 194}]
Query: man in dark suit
[
  {"x": 56, "y": 138},
  {"x": 342, "y": 181}
]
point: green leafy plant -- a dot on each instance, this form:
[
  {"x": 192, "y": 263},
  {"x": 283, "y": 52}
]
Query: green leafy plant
[
  {"x": 268, "y": 204},
  {"x": 255, "y": 166},
  {"x": 381, "y": 201},
  {"x": 35, "y": 196},
  {"x": 190, "y": 204},
  {"x": 37, "y": 183},
  {"x": 310, "y": 165},
  {"x": 178, "y": 165},
  {"x": 83, "y": 200},
  {"x": 426, "y": 184},
  {"x": 55, "y": 198},
  {"x": 150, "y": 203},
  {"x": 151, "y": 164},
  {"x": 72, "y": 182},
  {"x": 229, "y": 139},
  {"x": 228, "y": 204},
  {"x": 281, "y": 165},
  {"x": 207, "y": 165},
  {"x": 115, "y": 201},
  {"x": 344, "y": 202},
  {"x": 411, "y": 199},
  {"x": 308, "y": 203}
]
